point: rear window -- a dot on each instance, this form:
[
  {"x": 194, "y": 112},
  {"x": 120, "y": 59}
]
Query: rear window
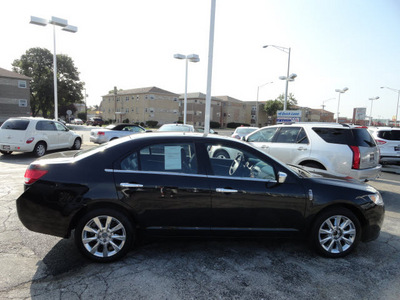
[
  {"x": 353, "y": 137},
  {"x": 15, "y": 124},
  {"x": 391, "y": 135}
]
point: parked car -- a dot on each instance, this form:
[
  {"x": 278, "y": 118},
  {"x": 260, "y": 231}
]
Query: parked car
[
  {"x": 77, "y": 121},
  {"x": 176, "y": 127},
  {"x": 114, "y": 131},
  {"x": 95, "y": 122},
  {"x": 37, "y": 135},
  {"x": 201, "y": 129},
  {"x": 168, "y": 184},
  {"x": 242, "y": 131},
  {"x": 388, "y": 140},
  {"x": 337, "y": 148}
]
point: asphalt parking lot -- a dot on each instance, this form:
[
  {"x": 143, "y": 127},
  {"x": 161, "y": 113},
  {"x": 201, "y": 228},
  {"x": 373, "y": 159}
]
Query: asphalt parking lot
[{"x": 37, "y": 266}]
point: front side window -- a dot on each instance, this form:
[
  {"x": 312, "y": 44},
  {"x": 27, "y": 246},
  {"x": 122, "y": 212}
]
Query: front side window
[
  {"x": 263, "y": 135},
  {"x": 238, "y": 163}
]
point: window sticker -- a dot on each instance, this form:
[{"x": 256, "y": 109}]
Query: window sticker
[{"x": 173, "y": 159}]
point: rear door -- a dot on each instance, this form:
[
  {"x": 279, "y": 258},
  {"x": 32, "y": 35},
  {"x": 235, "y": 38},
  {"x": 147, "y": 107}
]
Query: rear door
[
  {"x": 47, "y": 131},
  {"x": 163, "y": 184}
]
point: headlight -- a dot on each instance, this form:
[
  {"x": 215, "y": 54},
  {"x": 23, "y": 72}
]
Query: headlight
[{"x": 376, "y": 198}]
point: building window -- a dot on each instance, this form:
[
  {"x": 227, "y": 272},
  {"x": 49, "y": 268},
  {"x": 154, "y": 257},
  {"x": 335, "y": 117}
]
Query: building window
[
  {"x": 22, "y": 84},
  {"x": 175, "y": 99},
  {"x": 127, "y": 98},
  {"x": 23, "y": 103}
]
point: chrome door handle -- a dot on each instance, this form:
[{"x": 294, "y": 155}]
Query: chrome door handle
[
  {"x": 131, "y": 185},
  {"x": 301, "y": 148},
  {"x": 264, "y": 147},
  {"x": 221, "y": 190}
]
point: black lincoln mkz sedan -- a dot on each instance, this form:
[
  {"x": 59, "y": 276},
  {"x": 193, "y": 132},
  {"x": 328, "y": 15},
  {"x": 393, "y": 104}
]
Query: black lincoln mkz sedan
[{"x": 169, "y": 184}]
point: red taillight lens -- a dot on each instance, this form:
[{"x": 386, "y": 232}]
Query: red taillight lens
[
  {"x": 356, "y": 157},
  {"x": 100, "y": 133},
  {"x": 31, "y": 175},
  {"x": 30, "y": 140},
  {"x": 380, "y": 142}
]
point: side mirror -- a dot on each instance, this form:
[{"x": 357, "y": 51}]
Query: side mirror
[{"x": 282, "y": 177}]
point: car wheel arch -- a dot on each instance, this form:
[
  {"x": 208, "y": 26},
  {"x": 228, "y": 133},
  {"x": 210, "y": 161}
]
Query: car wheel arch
[
  {"x": 311, "y": 162},
  {"x": 101, "y": 205},
  {"x": 38, "y": 143}
]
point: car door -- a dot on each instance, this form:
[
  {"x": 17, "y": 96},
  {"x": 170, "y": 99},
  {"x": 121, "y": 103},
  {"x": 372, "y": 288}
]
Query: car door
[
  {"x": 246, "y": 195},
  {"x": 290, "y": 145},
  {"x": 163, "y": 185},
  {"x": 47, "y": 131},
  {"x": 262, "y": 138},
  {"x": 65, "y": 138}
]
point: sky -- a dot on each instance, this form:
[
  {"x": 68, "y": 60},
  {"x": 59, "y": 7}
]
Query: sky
[{"x": 130, "y": 44}]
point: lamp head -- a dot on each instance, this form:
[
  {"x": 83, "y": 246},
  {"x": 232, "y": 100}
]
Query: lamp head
[
  {"x": 179, "y": 56},
  {"x": 282, "y": 77}
]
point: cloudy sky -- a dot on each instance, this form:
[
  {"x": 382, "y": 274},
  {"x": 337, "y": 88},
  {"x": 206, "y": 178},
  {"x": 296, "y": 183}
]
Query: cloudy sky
[{"x": 131, "y": 43}]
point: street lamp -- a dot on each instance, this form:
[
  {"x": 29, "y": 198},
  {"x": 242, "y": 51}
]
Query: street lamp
[
  {"x": 192, "y": 58},
  {"x": 339, "y": 91},
  {"x": 370, "y": 112},
  {"x": 287, "y": 78},
  {"x": 398, "y": 98},
  {"x": 258, "y": 89},
  {"x": 64, "y": 24}
]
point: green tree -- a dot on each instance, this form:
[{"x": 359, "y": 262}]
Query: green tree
[
  {"x": 272, "y": 106},
  {"x": 37, "y": 63}
]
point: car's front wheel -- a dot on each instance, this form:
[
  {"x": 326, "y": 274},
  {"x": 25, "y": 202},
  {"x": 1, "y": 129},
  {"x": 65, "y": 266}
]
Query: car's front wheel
[
  {"x": 104, "y": 235},
  {"x": 336, "y": 233},
  {"x": 40, "y": 149}
]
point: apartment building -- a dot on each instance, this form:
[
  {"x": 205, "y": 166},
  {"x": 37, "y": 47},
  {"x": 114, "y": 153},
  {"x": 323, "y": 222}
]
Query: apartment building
[
  {"x": 195, "y": 112},
  {"x": 14, "y": 95},
  {"x": 141, "y": 105}
]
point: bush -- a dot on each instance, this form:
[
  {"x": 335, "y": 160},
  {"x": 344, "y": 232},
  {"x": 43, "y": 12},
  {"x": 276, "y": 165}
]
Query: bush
[
  {"x": 214, "y": 124},
  {"x": 82, "y": 116},
  {"x": 151, "y": 123},
  {"x": 125, "y": 121},
  {"x": 234, "y": 125}
]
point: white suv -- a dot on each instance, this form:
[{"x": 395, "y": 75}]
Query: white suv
[
  {"x": 36, "y": 135},
  {"x": 388, "y": 140},
  {"x": 336, "y": 148}
]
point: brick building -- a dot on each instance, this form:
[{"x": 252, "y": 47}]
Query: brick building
[{"x": 14, "y": 95}]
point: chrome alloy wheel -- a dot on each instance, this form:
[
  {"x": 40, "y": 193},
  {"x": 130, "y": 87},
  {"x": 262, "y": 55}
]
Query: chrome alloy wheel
[
  {"x": 103, "y": 236},
  {"x": 337, "y": 234}
]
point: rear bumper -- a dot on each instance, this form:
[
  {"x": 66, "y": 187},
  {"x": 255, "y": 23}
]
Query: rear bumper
[
  {"x": 364, "y": 174},
  {"x": 17, "y": 147}
]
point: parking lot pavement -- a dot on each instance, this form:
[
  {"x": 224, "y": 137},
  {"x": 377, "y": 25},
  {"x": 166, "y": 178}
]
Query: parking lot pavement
[{"x": 37, "y": 266}]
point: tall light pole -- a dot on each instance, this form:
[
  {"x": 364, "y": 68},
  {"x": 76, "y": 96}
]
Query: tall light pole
[
  {"x": 398, "y": 98},
  {"x": 64, "y": 24},
  {"x": 339, "y": 91},
  {"x": 286, "y": 50},
  {"x": 258, "y": 89},
  {"x": 370, "y": 112},
  {"x": 192, "y": 58}
]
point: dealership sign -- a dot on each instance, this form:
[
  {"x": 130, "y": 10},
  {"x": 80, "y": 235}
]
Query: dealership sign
[{"x": 288, "y": 116}]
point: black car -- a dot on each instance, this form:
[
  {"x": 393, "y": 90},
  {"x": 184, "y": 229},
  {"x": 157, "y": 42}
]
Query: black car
[{"x": 168, "y": 184}]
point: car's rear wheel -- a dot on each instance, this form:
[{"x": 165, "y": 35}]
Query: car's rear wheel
[
  {"x": 77, "y": 144},
  {"x": 40, "y": 149},
  {"x": 104, "y": 235},
  {"x": 336, "y": 233},
  {"x": 5, "y": 152}
]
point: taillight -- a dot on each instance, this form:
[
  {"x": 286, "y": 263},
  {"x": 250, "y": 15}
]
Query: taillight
[
  {"x": 32, "y": 175},
  {"x": 380, "y": 142},
  {"x": 100, "y": 133},
  {"x": 30, "y": 140},
  {"x": 356, "y": 157}
]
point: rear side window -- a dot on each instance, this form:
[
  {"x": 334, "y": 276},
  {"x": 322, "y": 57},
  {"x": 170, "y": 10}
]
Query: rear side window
[
  {"x": 334, "y": 135},
  {"x": 363, "y": 138},
  {"x": 46, "y": 125},
  {"x": 15, "y": 124},
  {"x": 391, "y": 135}
]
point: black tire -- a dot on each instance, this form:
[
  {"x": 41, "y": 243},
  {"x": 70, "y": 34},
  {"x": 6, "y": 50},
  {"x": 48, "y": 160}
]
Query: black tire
[
  {"x": 104, "y": 244},
  {"x": 336, "y": 233},
  {"x": 40, "y": 149},
  {"x": 221, "y": 154},
  {"x": 313, "y": 164},
  {"x": 6, "y": 152},
  {"x": 77, "y": 144}
]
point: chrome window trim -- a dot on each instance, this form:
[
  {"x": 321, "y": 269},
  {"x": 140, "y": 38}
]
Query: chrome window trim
[{"x": 188, "y": 174}]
